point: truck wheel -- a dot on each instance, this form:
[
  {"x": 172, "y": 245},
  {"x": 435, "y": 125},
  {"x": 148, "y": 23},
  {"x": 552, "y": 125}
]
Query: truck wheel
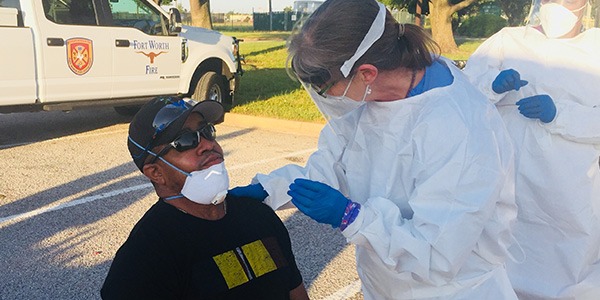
[
  {"x": 129, "y": 110},
  {"x": 211, "y": 86}
]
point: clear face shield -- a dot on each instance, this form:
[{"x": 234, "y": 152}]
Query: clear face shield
[
  {"x": 331, "y": 107},
  {"x": 337, "y": 106},
  {"x": 563, "y": 18}
]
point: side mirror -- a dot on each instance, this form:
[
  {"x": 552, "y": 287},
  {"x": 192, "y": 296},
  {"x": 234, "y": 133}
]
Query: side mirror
[{"x": 174, "y": 20}]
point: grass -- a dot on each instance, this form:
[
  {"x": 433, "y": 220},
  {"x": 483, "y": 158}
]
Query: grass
[
  {"x": 267, "y": 90},
  {"x": 466, "y": 46}
]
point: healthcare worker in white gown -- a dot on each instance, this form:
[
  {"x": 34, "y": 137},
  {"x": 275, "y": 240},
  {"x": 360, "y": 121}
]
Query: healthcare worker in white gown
[
  {"x": 414, "y": 166},
  {"x": 545, "y": 80}
]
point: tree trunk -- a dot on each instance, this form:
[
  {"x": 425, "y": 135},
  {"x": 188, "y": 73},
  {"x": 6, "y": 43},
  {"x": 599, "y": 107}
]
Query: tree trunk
[
  {"x": 441, "y": 22},
  {"x": 418, "y": 15},
  {"x": 200, "y": 10},
  {"x": 441, "y": 25}
]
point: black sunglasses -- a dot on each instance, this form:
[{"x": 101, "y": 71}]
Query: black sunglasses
[
  {"x": 321, "y": 91},
  {"x": 188, "y": 140}
]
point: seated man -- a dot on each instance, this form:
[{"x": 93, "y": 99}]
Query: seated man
[{"x": 196, "y": 242}]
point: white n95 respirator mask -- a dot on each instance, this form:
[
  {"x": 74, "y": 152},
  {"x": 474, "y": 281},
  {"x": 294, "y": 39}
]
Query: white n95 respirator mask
[
  {"x": 557, "y": 20},
  {"x": 208, "y": 186}
]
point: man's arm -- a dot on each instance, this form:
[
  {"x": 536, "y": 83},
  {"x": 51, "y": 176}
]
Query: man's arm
[{"x": 299, "y": 293}]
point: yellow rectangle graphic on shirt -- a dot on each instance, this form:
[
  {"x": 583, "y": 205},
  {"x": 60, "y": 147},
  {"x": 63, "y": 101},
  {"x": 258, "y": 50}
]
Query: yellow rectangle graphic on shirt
[
  {"x": 259, "y": 258},
  {"x": 230, "y": 267}
]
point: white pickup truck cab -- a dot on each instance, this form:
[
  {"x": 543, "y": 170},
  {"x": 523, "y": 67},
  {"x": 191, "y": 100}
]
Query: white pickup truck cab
[{"x": 67, "y": 54}]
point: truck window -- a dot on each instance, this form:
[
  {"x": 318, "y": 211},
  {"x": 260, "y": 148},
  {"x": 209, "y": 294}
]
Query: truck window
[
  {"x": 10, "y": 3},
  {"x": 71, "y": 12},
  {"x": 14, "y": 4},
  {"x": 138, "y": 14}
]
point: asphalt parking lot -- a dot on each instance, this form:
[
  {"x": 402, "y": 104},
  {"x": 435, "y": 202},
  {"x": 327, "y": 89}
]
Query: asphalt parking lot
[{"x": 69, "y": 195}]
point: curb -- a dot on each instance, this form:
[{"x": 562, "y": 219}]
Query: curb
[{"x": 272, "y": 124}]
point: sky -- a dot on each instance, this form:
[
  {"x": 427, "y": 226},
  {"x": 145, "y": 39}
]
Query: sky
[{"x": 243, "y": 6}]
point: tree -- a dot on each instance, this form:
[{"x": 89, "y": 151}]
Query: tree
[
  {"x": 200, "y": 11},
  {"x": 515, "y": 10},
  {"x": 440, "y": 17}
]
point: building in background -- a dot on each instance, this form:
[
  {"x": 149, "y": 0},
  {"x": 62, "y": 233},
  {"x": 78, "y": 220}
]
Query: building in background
[{"x": 306, "y": 6}]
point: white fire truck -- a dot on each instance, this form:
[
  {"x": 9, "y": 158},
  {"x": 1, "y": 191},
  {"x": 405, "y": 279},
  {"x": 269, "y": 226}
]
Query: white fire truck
[{"x": 67, "y": 54}]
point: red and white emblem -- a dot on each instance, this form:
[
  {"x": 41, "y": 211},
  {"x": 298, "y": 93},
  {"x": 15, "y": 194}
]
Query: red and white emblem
[{"x": 80, "y": 55}]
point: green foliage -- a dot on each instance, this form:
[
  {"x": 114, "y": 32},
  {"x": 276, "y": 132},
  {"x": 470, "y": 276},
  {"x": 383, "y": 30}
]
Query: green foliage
[
  {"x": 516, "y": 10},
  {"x": 483, "y": 25},
  {"x": 267, "y": 90},
  {"x": 250, "y": 35},
  {"x": 466, "y": 46}
]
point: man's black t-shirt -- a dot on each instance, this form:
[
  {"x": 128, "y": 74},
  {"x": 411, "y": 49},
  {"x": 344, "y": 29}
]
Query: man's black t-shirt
[{"x": 172, "y": 255}]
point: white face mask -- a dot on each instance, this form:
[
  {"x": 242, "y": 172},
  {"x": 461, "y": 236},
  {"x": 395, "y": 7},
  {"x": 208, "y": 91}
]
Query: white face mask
[
  {"x": 336, "y": 106},
  {"x": 343, "y": 97},
  {"x": 557, "y": 20},
  {"x": 208, "y": 186}
]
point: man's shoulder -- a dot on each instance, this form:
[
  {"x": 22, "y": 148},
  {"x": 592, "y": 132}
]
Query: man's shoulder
[
  {"x": 249, "y": 204},
  {"x": 242, "y": 207}
]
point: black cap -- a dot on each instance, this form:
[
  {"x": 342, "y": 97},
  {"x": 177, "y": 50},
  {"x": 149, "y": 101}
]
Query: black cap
[{"x": 142, "y": 131}]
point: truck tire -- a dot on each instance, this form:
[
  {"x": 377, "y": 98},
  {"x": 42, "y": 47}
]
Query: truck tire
[
  {"x": 211, "y": 86},
  {"x": 128, "y": 111}
]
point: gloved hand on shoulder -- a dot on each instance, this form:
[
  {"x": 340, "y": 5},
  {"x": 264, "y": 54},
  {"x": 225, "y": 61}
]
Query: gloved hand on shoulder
[
  {"x": 319, "y": 201},
  {"x": 254, "y": 191},
  {"x": 538, "y": 107},
  {"x": 508, "y": 80}
]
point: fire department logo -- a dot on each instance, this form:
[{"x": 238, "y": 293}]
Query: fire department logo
[{"x": 80, "y": 55}]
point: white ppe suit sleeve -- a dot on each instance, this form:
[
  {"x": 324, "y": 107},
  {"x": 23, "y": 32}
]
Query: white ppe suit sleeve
[
  {"x": 484, "y": 65},
  {"x": 320, "y": 167},
  {"x": 458, "y": 181},
  {"x": 576, "y": 123}
]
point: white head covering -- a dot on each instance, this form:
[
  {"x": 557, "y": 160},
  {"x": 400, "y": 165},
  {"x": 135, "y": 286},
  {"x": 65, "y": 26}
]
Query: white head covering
[{"x": 371, "y": 37}]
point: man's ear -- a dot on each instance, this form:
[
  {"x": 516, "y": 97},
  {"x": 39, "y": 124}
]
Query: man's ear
[
  {"x": 367, "y": 73},
  {"x": 154, "y": 172}
]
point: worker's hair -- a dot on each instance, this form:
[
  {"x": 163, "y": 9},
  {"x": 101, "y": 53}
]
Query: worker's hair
[{"x": 331, "y": 35}]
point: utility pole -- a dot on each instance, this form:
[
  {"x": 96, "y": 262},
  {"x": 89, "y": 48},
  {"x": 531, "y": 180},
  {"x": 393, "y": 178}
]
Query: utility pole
[{"x": 270, "y": 17}]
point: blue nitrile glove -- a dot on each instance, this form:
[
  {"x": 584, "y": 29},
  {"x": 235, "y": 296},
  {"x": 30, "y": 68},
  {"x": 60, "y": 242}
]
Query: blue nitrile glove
[
  {"x": 538, "y": 107},
  {"x": 319, "y": 201},
  {"x": 254, "y": 191},
  {"x": 508, "y": 80}
]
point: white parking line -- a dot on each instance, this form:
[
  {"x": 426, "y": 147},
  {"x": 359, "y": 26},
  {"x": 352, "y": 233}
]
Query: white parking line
[
  {"x": 346, "y": 292},
  {"x": 36, "y": 212},
  {"x": 39, "y": 211}
]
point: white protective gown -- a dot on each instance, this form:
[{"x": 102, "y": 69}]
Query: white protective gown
[
  {"x": 434, "y": 174},
  {"x": 558, "y": 179}
]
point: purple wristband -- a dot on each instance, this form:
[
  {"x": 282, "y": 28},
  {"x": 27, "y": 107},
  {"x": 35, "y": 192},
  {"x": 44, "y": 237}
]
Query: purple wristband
[{"x": 352, "y": 210}]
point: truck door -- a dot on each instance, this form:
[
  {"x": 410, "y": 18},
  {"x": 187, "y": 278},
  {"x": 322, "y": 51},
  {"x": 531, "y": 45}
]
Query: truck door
[
  {"x": 17, "y": 78},
  {"x": 74, "y": 60},
  {"x": 146, "y": 60}
]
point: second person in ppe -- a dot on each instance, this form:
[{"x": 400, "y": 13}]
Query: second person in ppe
[
  {"x": 545, "y": 80},
  {"x": 414, "y": 165}
]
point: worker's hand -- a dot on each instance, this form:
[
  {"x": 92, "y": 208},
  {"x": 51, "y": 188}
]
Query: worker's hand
[
  {"x": 508, "y": 80},
  {"x": 538, "y": 107},
  {"x": 254, "y": 191},
  {"x": 319, "y": 201}
]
